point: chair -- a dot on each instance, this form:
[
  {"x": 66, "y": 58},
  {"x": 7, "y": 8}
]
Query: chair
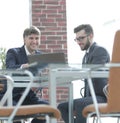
[
  {"x": 11, "y": 113},
  {"x": 112, "y": 107},
  {"x": 29, "y": 111}
]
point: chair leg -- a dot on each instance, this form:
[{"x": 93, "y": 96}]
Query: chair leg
[
  {"x": 88, "y": 117},
  {"x": 3, "y": 121},
  {"x": 47, "y": 119},
  {"x": 22, "y": 121},
  {"x": 118, "y": 119},
  {"x": 91, "y": 115},
  {"x": 94, "y": 119}
]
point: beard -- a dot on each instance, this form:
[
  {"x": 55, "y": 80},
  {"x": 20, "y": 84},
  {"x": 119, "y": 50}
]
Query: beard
[{"x": 87, "y": 44}]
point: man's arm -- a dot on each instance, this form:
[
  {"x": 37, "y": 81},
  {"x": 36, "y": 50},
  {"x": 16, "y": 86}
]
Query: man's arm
[
  {"x": 100, "y": 56},
  {"x": 11, "y": 59},
  {"x": 16, "y": 58}
]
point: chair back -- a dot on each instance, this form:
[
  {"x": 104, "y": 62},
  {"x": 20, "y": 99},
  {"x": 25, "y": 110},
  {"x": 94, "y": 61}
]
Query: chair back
[{"x": 114, "y": 77}]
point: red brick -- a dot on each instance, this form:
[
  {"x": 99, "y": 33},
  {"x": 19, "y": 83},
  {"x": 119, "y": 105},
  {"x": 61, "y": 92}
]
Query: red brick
[{"x": 50, "y": 17}]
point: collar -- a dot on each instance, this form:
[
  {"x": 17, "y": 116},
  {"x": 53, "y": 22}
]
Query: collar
[
  {"x": 26, "y": 50},
  {"x": 87, "y": 51}
]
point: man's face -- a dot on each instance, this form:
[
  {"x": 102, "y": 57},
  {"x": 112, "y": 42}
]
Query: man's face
[
  {"x": 83, "y": 40},
  {"x": 32, "y": 42}
]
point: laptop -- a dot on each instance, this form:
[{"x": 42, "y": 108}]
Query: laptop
[{"x": 46, "y": 58}]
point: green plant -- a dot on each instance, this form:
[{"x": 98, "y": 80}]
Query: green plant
[{"x": 2, "y": 57}]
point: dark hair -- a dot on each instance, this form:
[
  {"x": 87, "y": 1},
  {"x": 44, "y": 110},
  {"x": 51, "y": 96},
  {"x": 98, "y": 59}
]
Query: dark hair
[
  {"x": 31, "y": 30},
  {"x": 87, "y": 27}
]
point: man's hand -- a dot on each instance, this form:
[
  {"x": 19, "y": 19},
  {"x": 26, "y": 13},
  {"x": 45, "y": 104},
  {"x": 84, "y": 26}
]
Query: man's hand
[{"x": 25, "y": 65}]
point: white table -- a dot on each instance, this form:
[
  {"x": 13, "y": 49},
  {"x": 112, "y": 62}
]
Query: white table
[{"x": 65, "y": 73}]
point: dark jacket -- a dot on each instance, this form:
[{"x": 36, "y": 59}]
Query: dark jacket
[
  {"x": 14, "y": 59},
  {"x": 97, "y": 55}
]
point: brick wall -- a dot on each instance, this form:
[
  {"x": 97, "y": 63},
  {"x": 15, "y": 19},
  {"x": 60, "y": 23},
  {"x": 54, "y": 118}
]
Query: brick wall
[{"x": 50, "y": 17}]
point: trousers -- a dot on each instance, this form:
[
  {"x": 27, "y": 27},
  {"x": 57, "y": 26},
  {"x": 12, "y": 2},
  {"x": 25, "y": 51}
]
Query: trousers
[{"x": 78, "y": 106}]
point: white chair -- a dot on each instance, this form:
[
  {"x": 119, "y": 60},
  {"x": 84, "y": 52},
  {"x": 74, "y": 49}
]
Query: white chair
[{"x": 19, "y": 112}]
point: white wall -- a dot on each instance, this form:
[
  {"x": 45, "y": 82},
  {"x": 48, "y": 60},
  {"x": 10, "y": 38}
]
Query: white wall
[
  {"x": 14, "y": 18},
  {"x": 103, "y": 15}
]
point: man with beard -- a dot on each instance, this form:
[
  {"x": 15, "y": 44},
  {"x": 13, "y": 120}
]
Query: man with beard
[{"x": 95, "y": 54}]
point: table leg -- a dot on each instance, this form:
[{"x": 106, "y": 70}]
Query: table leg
[
  {"x": 94, "y": 97},
  {"x": 71, "y": 117},
  {"x": 52, "y": 92}
]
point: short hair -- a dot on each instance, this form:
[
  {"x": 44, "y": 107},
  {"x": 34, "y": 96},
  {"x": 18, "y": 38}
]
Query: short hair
[
  {"x": 31, "y": 30},
  {"x": 87, "y": 27}
]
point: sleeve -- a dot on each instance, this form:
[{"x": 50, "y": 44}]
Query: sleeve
[
  {"x": 12, "y": 59},
  {"x": 100, "y": 56}
]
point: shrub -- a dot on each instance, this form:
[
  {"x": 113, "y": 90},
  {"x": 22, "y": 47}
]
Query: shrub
[{"x": 2, "y": 57}]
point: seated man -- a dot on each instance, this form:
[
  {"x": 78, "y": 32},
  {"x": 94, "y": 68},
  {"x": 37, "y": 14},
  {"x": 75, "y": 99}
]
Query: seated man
[
  {"x": 95, "y": 54},
  {"x": 17, "y": 58}
]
